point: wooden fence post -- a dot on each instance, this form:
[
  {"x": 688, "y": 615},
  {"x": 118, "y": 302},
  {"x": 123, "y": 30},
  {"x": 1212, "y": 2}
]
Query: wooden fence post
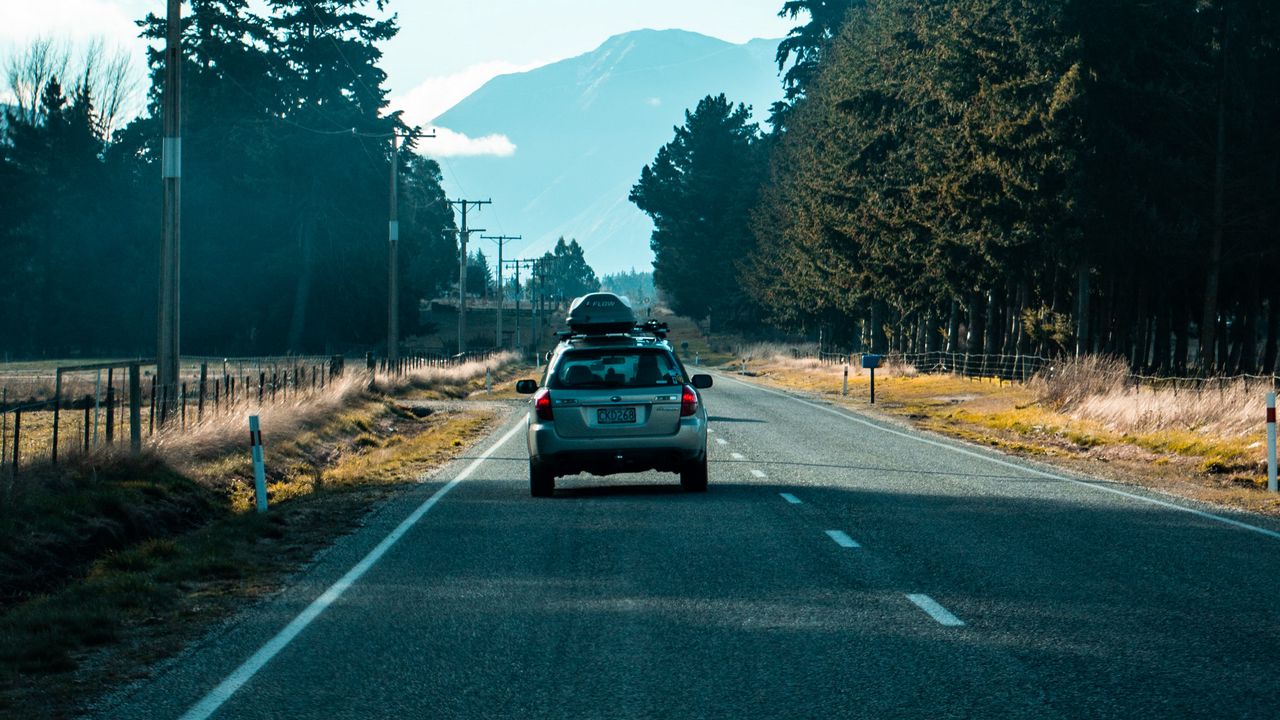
[
  {"x": 151, "y": 416},
  {"x": 204, "y": 379},
  {"x": 86, "y": 427},
  {"x": 111, "y": 411},
  {"x": 4, "y": 425},
  {"x": 57, "y": 410},
  {"x": 135, "y": 408},
  {"x": 17, "y": 437}
]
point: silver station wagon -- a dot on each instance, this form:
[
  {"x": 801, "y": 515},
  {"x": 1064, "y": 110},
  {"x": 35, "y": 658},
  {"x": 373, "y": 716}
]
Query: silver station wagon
[{"x": 615, "y": 399}]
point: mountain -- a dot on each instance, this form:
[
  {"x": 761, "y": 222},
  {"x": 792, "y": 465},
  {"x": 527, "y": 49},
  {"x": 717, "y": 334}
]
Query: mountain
[{"x": 583, "y": 129}]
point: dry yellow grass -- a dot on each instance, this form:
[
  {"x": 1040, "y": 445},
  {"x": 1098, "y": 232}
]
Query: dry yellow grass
[
  {"x": 329, "y": 458},
  {"x": 1208, "y": 445},
  {"x": 213, "y": 437},
  {"x": 1098, "y": 389}
]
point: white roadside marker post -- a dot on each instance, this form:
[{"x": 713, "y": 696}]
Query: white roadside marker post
[
  {"x": 845, "y": 390},
  {"x": 259, "y": 471},
  {"x": 488, "y": 380},
  {"x": 1271, "y": 442}
]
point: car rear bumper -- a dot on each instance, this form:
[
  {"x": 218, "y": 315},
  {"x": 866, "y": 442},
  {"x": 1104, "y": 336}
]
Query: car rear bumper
[{"x": 598, "y": 456}]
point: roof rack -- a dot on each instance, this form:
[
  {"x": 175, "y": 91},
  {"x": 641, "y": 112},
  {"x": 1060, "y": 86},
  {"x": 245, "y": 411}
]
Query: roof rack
[{"x": 653, "y": 328}]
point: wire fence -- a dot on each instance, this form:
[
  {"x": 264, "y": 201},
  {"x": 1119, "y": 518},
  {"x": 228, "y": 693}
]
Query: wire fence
[
  {"x": 1022, "y": 368},
  {"x": 51, "y": 412}
]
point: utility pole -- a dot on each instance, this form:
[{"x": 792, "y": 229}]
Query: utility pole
[
  {"x": 462, "y": 266},
  {"x": 168, "y": 320},
  {"x": 393, "y": 247},
  {"x": 500, "y": 240},
  {"x": 393, "y": 259},
  {"x": 517, "y": 264}
]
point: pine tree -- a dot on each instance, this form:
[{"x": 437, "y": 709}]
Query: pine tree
[{"x": 699, "y": 191}]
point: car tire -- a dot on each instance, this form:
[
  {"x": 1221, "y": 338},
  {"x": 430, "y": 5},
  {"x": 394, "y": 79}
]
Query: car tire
[
  {"x": 693, "y": 476},
  {"x": 542, "y": 481}
]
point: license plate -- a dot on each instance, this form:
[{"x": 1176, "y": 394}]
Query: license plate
[{"x": 615, "y": 415}]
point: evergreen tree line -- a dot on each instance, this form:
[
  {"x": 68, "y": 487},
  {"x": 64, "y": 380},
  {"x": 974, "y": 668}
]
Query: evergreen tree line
[
  {"x": 998, "y": 176},
  {"x": 286, "y": 168},
  {"x": 563, "y": 274},
  {"x": 632, "y": 284},
  {"x": 559, "y": 275}
]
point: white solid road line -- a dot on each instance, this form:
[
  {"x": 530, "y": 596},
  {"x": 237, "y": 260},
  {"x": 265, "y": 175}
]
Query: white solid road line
[
  {"x": 241, "y": 675},
  {"x": 842, "y": 539},
  {"x": 936, "y": 611},
  {"x": 738, "y": 456},
  {"x": 1004, "y": 463},
  {"x": 790, "y": 498},
  {"x": 722, "y": 441},
  {"x": 758, "y": 473}
]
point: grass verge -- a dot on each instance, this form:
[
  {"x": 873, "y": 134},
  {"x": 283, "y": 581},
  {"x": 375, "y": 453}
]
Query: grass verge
[
  {"x": 1105, "y": 432},
  {"x": 114, "y": 562}
]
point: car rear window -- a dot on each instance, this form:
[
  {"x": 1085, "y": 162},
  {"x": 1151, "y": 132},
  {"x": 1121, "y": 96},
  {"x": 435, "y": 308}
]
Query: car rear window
[{"x": 615, "y": 368}]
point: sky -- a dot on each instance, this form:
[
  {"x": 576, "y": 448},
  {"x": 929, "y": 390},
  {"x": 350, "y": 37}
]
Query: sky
[{"x": 445, "y": 50}]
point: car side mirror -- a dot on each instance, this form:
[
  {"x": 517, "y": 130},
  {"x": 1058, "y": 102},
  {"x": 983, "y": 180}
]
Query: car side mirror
[
  {"x": 702, "y": 382},
  {"x": 527, "y": 387}
]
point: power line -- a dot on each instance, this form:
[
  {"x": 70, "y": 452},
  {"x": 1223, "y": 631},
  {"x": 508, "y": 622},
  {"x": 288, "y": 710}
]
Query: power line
[
  {"x": 501, "y": 240},
  {"x": 463, "y": 234},
  {"x": 517, "y": 264}
]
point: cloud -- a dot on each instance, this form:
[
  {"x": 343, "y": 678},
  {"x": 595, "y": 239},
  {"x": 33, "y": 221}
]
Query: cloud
[
  {"x": 434, "y": 96},
  {"x": 448, "y": 143},
  {"x": 22, "y": 20}
]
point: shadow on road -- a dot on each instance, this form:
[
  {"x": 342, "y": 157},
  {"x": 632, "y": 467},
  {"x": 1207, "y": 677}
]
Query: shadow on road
[
  {"x": 632, "y": 490},
  {"x": 719, "y": 419}
]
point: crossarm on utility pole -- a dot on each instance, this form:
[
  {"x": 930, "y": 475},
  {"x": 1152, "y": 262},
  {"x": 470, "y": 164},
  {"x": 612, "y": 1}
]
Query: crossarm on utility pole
[
  {"x": 463, "y": 234},
  {"x": 501, "y": 240}
]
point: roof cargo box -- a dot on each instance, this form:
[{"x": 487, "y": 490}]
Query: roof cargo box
[{"x": 601, "y": 313}]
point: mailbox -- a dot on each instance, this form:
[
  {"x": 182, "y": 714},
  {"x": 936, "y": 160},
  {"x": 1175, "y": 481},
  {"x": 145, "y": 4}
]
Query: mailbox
[{"x": 871, "y": 362}]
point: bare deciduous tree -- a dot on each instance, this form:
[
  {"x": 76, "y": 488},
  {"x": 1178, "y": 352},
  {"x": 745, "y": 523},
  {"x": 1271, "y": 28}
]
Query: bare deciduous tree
[
  {"x": 109, "y": 77},
  {"x": 112, "y": 83},
  {"x": 28, "y": 71}
]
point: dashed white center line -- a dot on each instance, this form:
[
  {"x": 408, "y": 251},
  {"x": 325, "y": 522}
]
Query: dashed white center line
[
  {"x": 842, "y": 539},
  {"x": 722, "y": 441},
  {"x": 738, "y": 456},
  {"x": 936, "y": 611},
  {"x": 758, "y": 473},
  {"x": 790, "y": 498}
]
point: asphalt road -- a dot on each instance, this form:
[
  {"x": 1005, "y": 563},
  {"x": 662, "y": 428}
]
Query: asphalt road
[{"x": 900, "y": 576}]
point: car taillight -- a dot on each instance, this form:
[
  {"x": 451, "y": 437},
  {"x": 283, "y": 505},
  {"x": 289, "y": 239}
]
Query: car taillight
[
  {"x": 542, "y": 405},
  {"x": 688, "y": 402}
]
